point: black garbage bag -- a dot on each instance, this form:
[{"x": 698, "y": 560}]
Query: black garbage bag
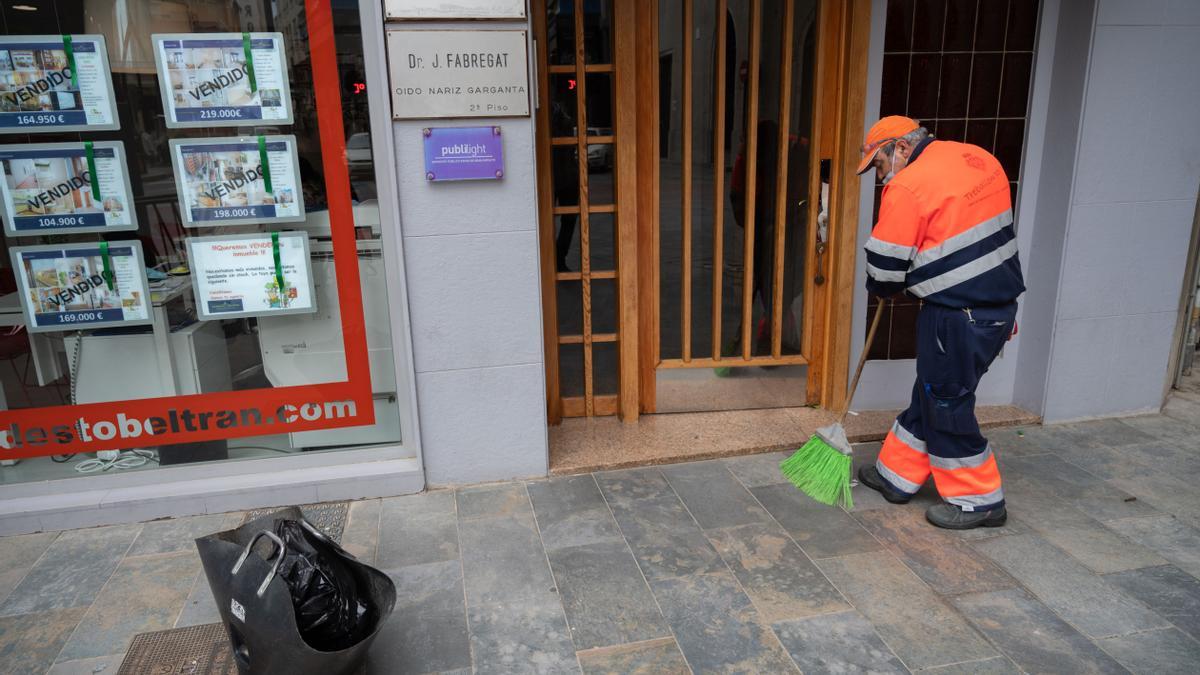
[
  {"x": 245, "y": 571},
  {"x": 331, "y": 613}
]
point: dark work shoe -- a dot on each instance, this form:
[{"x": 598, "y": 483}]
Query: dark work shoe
[
  {"x": 869, "y": 476},
  {"x": 951, "y": 517}
]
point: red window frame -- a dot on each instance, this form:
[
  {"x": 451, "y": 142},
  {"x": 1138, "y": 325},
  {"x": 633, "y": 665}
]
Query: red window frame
[{"x": 281, "y": 408}]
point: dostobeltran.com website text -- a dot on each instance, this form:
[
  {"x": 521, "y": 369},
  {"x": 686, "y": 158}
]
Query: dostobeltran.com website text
[{"x": 176, "y": 421}]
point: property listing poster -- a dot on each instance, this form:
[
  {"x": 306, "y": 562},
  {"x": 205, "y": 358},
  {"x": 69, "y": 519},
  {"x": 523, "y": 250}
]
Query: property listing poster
[
  {"x": 237, "y": 181},
  {"x": 237, "y": 275},
  {"x": 51, "y": 188},
  {"x": 223, "y": 79},
  {"x": 66, "y": 287},
  {"x": 55, "y": 83}
]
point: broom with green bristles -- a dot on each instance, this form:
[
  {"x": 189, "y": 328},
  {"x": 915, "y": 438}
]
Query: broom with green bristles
[{"x": 821, "y": 467}]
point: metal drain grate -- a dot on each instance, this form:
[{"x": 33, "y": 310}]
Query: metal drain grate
[
  {"x": 195, "y": 650},
  {"x": 328, "y": 517}
]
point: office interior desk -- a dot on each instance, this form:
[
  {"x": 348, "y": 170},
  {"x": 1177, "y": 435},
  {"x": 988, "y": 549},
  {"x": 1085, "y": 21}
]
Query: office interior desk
[{"x": 44, "y": 347}]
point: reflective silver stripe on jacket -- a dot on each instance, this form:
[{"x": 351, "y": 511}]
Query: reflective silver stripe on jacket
[
  {"x": 964, "y": 239},
  {"x": 965, "y": 272},
  {"x": 886, "y": 248},
  {"x": 885, "y": 275}
]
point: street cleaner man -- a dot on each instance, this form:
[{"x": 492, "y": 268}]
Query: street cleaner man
[{"x": 945, "y": 235}]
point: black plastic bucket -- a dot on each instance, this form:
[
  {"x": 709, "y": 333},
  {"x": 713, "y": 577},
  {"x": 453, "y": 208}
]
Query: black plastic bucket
[{"x": 256, "y": 605}]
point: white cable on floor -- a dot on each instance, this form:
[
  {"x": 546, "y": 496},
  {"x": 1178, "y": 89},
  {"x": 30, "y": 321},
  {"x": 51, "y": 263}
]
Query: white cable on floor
[{"x": 128, "y": 459}]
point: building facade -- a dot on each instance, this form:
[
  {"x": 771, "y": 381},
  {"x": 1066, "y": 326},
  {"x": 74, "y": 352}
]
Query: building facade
[{"x": 663, "y": 220}]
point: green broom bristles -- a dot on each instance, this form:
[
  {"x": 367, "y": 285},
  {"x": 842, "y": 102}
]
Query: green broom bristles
[{"x": 821, "y": 471}]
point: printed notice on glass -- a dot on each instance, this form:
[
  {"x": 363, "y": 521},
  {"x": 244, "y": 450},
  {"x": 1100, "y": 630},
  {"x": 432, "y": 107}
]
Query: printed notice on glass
[
  {"x": 251, "y": 275},
  {"x": 223, "y": 79},
  {"x": 55, "y": 83},
  {"x": 65, "y": 188},
  {"x": 237, "y": 181},
  {"x": 82, "y": 286}
]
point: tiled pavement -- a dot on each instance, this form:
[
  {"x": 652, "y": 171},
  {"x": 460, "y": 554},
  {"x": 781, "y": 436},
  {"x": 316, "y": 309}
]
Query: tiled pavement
[{"x": 713, "y": 566}]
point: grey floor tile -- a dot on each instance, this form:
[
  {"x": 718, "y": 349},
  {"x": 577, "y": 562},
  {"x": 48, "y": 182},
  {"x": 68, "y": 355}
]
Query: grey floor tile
[
  {"x": 1111, "y": 432},
  {"x": 503, "y": 561},
  {"x": 1093, "y": 496},
  {"x": 100, "y": 665},
  {"x": 1163, "y": 486},
  {"x": 1038, "y": 506},
  {"x": 361, "y": 536},
  {"x": 664, "y": 537},
  {"x": 1102, "y": 461},
  {"x": 605, "y": 596},
  {"x": 17, "y": 555},
  {"x": 1166, "y": 428},
  {"x": 1101, "y": 550},
  {"x": 632, "y": 484},
  {"x": 1170, "y": 538},
  {"x": 940, "y": 558},
  {"x": 71, "y": 571},
  {"x": 1156, "y": 652},
  {"x": 1182, "y": 408},
  {"x": 781, "y": 581},
  {"x": 1032, "y": 635},
  {"x": 713, "y": 495},
  {"x": 175, "y": 535},
  {"x": 757, "y": 470},
  {"x": 1170, "y": 457},
  {"x": 999, "y": 665},
  {"x": 920, "y": 628},
  {"x": 1172, "y": 593},
  {"x": 1084, "y": 537},
  {"x": 822, "y": 531},
  {"x": 1085, "y": 600},
  {"x": 1017, "y": 442},
  {"x": 427, "y": 632},
  {"x": 717, "y": 628},
  {"x": 144, "y": 594},
  {"x": 843, "y": 642},
  {"x": 417, "y": 529},
  {"x": 521, "y": 638},
  {"x": 656, "y": 657},
  {"x": 1167, "y": 494},
  {"x": 1035, "y": 440},
  {"x": 571, "y": 511},
  {"x": 29, "y": 642},
  {"x": 489, "y": 501},
  {"x": 200, "y": 607}
]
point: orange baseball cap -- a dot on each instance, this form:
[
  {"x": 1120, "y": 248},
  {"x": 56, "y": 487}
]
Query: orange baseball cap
[{"x": 883, "y": 132}]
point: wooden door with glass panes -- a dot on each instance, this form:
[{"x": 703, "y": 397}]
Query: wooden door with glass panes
[
  {"x": 697, "y": 201},
  {"x": 587, "y": 188}
]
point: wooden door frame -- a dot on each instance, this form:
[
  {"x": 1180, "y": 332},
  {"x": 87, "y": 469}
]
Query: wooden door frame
[
  {"x": 625, "y": 33},
  {"x": 842, "y": 45},
  {"x": 848, "y": 26}
]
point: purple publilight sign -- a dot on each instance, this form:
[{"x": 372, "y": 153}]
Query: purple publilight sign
[{"x": 463, "y": 153}]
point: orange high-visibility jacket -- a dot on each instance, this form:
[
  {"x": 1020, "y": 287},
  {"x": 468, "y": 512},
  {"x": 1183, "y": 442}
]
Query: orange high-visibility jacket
[{"x": 945, "y": 230}]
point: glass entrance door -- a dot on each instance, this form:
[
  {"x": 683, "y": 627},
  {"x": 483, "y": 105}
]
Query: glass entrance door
[{"x": 740, "y": 206}]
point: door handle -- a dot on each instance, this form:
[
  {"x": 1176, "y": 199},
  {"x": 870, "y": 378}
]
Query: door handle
[{"x": 822, "y": 233}]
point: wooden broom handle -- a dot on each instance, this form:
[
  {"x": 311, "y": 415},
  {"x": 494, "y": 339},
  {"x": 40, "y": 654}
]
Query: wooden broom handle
[{"x": 862, "y": 360}]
